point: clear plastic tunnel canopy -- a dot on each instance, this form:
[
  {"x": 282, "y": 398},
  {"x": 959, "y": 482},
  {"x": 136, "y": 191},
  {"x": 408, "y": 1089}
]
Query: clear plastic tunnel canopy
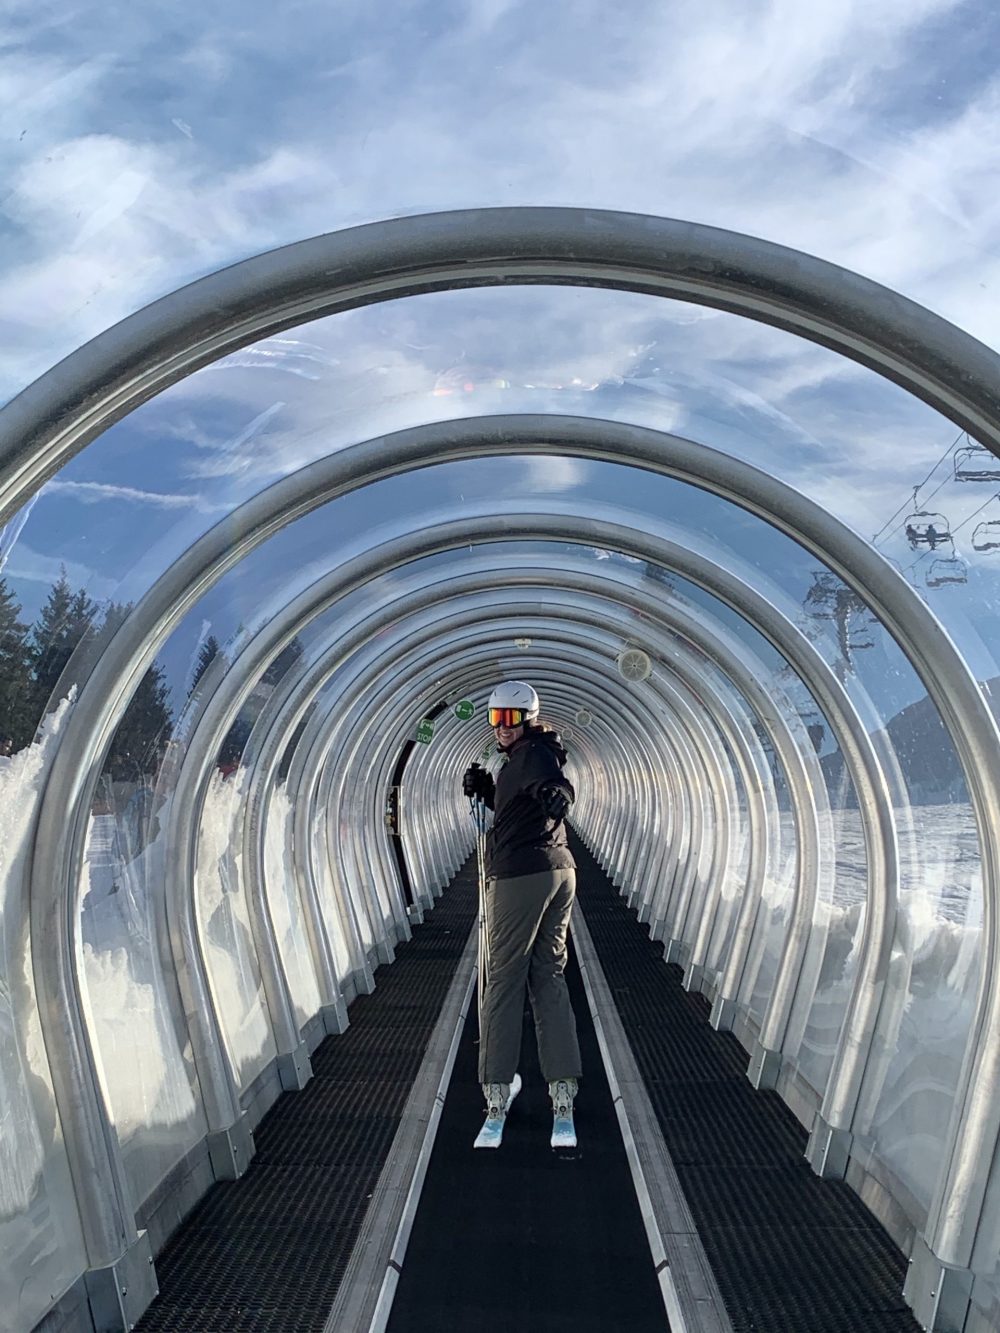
[
  {"x": 126, "y": 507},
  {"x": 229, "y": 727}
]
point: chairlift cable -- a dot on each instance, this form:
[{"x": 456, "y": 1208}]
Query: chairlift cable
[
  {"x": 922, "y": 556},
  {"x": 926, "y": 501},
  {"x": 950, "y": 450},
  {"x": 957, "y": 528},
  {"x": 969, "y": 517}
]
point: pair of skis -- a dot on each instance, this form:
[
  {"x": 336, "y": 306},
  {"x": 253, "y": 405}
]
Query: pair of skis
[{"x": 491, "y": 1134}]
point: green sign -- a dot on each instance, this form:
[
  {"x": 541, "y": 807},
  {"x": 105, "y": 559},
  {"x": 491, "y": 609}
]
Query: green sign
[
  {"x": 425, "y": 731},
  {"x": 464, "y": 709}
]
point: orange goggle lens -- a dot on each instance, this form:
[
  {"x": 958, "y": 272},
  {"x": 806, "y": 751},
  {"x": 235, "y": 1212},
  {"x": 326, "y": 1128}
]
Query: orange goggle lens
[{"x": 506, "y": 717}]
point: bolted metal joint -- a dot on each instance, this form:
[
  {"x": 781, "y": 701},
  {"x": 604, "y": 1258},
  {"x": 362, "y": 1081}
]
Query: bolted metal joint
[
  {"x": 828, "y": 1150},
  {"x": 121, "y": 1292},
  {"x": 938, "y": 1294}
]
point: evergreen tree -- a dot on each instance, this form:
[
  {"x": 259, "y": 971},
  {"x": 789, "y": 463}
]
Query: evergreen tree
[
  {"x": 65, "y": 619},
  {"x": 286, "y": 659},
  {"x": 207, "y": 654},
  {"x": 143, "y": 732},
  {"x": 234, "y": 741},
  {"x": 16, "y": 726},
  {"x": 145, "y": 729}
]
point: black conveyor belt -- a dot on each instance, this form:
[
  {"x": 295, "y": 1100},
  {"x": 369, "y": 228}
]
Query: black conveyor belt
[
  {"x": 791, "y": 1253},
  {"x": 522, "y": 1237}
]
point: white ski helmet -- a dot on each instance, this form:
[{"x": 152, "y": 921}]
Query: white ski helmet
[{"x": 515, "y": 694}]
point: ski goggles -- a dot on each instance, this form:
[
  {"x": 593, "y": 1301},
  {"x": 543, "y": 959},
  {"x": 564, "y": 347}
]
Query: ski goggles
[{"x": 507, "y": 717}]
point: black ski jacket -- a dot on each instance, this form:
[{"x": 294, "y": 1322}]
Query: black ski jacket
[{"x": 524, "y": 840}]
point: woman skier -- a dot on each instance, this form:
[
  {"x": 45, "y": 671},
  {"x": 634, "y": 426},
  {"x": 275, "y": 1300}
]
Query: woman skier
[{"x": 530, "y": 889}]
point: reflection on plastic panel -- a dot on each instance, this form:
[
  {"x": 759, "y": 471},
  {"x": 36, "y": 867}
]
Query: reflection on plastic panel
[
  {"x": 832, "y": 957},
  {"x": 224, "y": 923},
  {"x": 134, "y": 1010},
  {"x": 279, "y": 837},
  {"x": 329, "y": 840},
  {"x": 909, "y": 1087},
  {"x": 731, "y": 894},
  {"x": 40, "y": 1238},
  {"x": 772, "y": 920},
  {"x": 286, "y": 909}
]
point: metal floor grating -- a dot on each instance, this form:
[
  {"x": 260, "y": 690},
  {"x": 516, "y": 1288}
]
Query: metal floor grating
[
  {"x": 269, "y": 1251},
  {"x": 791, "y": 1253}
]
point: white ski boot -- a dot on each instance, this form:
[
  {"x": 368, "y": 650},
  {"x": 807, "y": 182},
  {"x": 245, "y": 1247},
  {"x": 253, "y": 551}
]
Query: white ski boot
[
  {"x": 498, "y": 1102},
  {"x": 562, "y": 1091}
]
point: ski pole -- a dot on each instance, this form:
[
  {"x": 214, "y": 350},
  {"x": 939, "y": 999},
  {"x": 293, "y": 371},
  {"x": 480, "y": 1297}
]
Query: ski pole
[{"x": 478, "y": 808}]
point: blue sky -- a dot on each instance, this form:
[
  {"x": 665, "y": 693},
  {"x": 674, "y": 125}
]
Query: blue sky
[{"x": 144, "y": 146}]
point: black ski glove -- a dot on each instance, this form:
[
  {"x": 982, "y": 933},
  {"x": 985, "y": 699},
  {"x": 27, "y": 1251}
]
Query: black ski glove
[
  {"x": 474, "y": 781},
  {"x": 555, "y": 802}
]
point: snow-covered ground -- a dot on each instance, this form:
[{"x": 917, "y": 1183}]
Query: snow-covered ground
[
  {"x": 928, "y": 1000},
  {"x": 224, "y": 921},
  {"x": 286, "y": 909},
  {"x": 41, "y": 1247}
]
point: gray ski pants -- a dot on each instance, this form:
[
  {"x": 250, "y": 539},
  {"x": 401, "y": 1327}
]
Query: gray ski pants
[{"x": 527, "y": 923}]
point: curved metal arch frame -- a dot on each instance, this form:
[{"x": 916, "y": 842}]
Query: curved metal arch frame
[
  {"x": 301, "y": 685},
  {"x": 561, "y": 529},
  {"x": 258, "y": 659},
  {"x": 546, "y": 667},
  {"x": 108, "y": 377},
  {"x": 104, "y": 380},
  {"x": 792, "y": 988},
  {"x": 491, "y": 656},
  {"x": 398, "y": 730},
  {"x": 277, "y": 635},
  {"x": 325, "y": 755},
  {"x": 123, "y": 662}
]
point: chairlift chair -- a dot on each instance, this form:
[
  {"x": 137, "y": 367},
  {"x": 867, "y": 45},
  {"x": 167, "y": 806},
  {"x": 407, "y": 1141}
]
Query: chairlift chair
[
  {"x": 976, "y": 463},
  {"x": 950, "y": 569},
  {"x": 923, "y": 528},
  {"x": 986, "y": 536}
]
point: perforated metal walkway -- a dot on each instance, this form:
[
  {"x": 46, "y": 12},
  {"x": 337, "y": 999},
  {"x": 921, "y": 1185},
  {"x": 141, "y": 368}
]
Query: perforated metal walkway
[
  {"x": 269, "y": 1251},
  {"x": 536, "y": 1240},
  {"x": 791, "y": 1253}
]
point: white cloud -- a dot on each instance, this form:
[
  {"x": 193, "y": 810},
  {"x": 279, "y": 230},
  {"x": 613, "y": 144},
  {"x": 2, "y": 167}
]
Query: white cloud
[
  {"x": 94, "y": 492},
  {"x": 695, "y": 110},
  {"x": 815, "y": 126}
]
